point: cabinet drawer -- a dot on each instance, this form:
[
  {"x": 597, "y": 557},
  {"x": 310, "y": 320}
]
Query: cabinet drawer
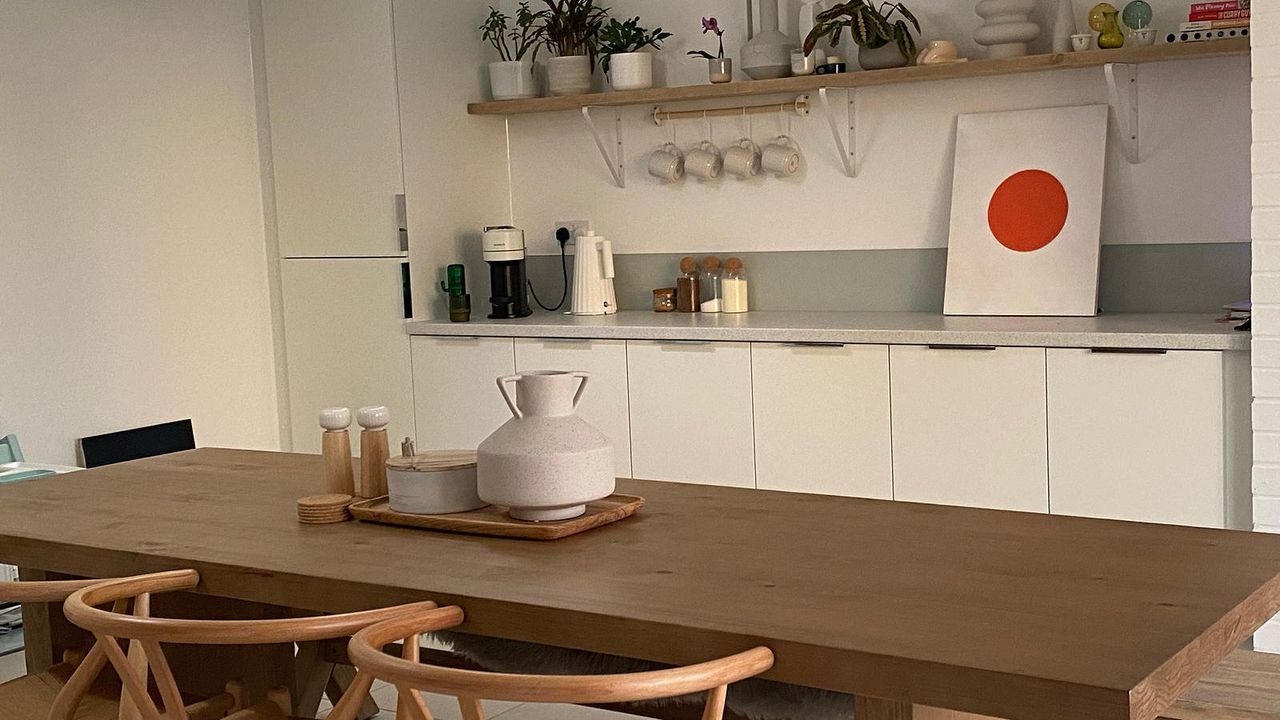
[
  {"x": 691, "y": 412},
  {"x": 456, "y": 398},
  {"x": 822, "y": 419},
  {"x": 605, "y": 404},
  {"x": 1137, "y": 436},
  {"x": 969, "y": 427}
]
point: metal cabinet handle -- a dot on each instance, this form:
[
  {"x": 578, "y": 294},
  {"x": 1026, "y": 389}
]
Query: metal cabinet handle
[
  {"x": 1127, "y": 351},
  {"x": 983, "y": 348},
  {"x": 568, "y": 341},
  {"x": 813, "y": 344},
  {"x": 402, "y": 222},
  {"x": 406, "y": 287}
]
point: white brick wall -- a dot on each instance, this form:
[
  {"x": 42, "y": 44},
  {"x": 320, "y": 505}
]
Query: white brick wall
[{"x": 1266, "y": 280}]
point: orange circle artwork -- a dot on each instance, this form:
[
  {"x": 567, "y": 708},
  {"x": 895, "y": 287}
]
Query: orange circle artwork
[{"x": 1028, "y": 210}]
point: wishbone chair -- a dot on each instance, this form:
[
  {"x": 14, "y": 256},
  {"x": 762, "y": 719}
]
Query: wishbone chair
[
  {"x": 470, "y": 686},
  {"x": 146, "y": 634}
]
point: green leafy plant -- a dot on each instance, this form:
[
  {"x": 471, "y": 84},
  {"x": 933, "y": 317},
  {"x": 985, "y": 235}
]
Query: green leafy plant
[
  {"x": 512, "y": 43},
  {"x": 627, "y": 37},
  {"x": 572, "y": 27},
  {"x": 872, "y": 27}
]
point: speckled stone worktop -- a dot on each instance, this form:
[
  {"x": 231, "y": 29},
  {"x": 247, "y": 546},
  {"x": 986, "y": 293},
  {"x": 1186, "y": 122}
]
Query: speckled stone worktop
[{"x": 1167, "y": 332}]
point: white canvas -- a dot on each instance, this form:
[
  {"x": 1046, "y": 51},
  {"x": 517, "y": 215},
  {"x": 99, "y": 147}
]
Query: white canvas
[{"x": 1018, "y": 177}]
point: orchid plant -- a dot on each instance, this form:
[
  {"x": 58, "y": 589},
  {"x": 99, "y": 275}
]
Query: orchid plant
[{"x": 711, "y": 25}]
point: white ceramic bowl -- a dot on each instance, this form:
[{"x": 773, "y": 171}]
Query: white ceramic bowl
[{"x": 433, "y": 483}]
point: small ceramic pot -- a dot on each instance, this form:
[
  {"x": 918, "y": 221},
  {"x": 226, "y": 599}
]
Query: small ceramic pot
[
  {"x": 433, "y": 483},
  {"x": 631, "y": 71},
  {"x": 569, "y": 75},
  {"x": 881, "y": 58},
  {"x": 512, "y": 80},
  {"x": 721, "y": 70}
]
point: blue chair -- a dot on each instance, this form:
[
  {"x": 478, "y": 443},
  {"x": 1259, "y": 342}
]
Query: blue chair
[{"x": 9, "y": 450}]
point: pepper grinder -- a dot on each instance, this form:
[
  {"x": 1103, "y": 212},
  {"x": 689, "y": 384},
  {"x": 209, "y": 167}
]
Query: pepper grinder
[
  {"x": 373, "y": 450},
  {"x": 336, "y": 448}
]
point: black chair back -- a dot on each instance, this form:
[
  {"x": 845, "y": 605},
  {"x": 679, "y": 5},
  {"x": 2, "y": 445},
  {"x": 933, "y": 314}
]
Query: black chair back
[{"x": 138, "y": 443}]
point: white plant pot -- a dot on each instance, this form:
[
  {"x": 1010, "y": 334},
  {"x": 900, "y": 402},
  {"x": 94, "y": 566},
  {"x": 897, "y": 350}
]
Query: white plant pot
[
  {"x": 569, "y": 75},
  {"x": 512, "y": 80},
  {"x": 881, "y": 58},
  {"x": 631, "y": 71},
  {"x": 545, "y": 463}
]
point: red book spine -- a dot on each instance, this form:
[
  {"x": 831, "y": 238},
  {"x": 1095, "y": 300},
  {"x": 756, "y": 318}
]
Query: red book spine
[
  {"x": 1219, "y": 15},
  {"x": 1219, "y": 5}
]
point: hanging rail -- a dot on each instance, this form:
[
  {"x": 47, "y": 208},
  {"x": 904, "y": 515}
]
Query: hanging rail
[{"x": 799, "y": 106}]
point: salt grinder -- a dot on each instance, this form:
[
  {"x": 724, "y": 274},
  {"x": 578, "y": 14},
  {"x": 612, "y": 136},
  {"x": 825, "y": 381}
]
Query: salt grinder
[
  {"x": 336, "y": 448},
  {"x": 373, "y": 450}
]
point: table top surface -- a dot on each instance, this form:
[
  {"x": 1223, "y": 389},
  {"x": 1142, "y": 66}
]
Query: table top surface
[{"x": 1008, "y": 614}]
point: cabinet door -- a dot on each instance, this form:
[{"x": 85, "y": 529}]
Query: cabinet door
[
  {"x": 691, "y": 412},
  {"x": 822, "y": 419},
  {"x": 969, "y": 427},
  {"x": 456, "y": 398},
  {"x": 1137, "y": 436},
  {"x": 605, "y": 404},
  {"x": 345, "y": 344},
  {"x": 335, "y": 126}
]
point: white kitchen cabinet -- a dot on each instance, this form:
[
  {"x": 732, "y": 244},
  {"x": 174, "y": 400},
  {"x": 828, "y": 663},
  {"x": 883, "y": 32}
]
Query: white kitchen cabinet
[
  {"x": 335, "y": 127},
  {"x": 969, "y": 427},
  {"x": 691, "y": 412},
  {"x": 605, "y": 404},
  {"x": 345, "y": 344},
  {"x": 822, "y": 419},
  {"x": 1138, "y": 436},
  {"x": 456, "y": 398}
]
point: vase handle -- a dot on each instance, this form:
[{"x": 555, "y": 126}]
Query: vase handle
[
  {"x": 502, "y": 387},
  {"x": 582, "y": 386}
]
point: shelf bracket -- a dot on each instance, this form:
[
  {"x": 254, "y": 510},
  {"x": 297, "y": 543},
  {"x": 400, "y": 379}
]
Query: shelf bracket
[
  {"x": 1122, "y": 90},
  {"x": 843, "y": 125},
  {"x": 615, "y": 161}
]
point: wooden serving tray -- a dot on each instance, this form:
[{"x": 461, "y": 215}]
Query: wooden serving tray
[{"x": 493, "y": 519}]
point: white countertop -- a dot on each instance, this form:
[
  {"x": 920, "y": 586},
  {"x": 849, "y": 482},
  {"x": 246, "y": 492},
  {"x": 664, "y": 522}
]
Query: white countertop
[{"x": 1154, "y": 331}]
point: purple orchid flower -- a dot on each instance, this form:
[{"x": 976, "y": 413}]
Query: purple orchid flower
[{"x": 711, "y": 25}]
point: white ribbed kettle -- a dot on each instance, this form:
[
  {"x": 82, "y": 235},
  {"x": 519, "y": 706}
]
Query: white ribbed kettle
[{"x": 593, "y": 292}]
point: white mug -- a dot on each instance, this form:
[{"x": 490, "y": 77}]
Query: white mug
[
  {"x": 667, "y": 163},
  {"x": 704, "y": 161},
  {"x": 742, "y": 159},
  {"x": 781, "y": 157}
]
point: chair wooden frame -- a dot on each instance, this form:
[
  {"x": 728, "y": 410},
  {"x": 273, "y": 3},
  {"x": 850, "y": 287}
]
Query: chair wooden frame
[
  {"x": 470, "y": 686},
  {"x": 146, "y": 633}
]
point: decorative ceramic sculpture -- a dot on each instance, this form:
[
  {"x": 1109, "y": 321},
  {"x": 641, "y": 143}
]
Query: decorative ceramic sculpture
[
  {"x": 1064, "y": 26},
  {"x": 767, "y": 54},
  {"x": 1006, "y": 29},
  {"x": 545, "y": 463}
]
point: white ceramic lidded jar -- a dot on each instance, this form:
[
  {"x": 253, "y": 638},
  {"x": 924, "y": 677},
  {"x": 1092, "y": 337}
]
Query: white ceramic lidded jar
[{"x": 545, "y": 463}]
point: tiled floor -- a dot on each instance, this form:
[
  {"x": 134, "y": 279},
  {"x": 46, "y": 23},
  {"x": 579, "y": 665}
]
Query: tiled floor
[
  {"x": 446, "y": 708},
  {"x": 12, "y": 666}
]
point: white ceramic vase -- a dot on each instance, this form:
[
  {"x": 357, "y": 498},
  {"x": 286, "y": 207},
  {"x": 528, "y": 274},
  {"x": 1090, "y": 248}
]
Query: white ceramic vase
[
  {"x": 1064, "y": 26},
  {"x": 631, "y": 71},
  {"x": 512, "y": 80},
  {"x": 1006, "y": 27},
  {"x": 767, "y": 55},
  {"x": 545, "y": 463},
  {"x": 881, "y": 58},
  {"x": 569, "y": 75}
]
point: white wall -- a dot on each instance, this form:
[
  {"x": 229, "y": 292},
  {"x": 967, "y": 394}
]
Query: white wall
[
  {"x": 1182, "y": 192},
  {"x": 132, "y": 264},
  {"x": 1266, "y": 280}
]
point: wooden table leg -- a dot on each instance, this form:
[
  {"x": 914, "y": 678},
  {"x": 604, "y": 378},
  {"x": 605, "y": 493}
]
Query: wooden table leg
[
  {"x": 868, "y": 708},
  {"x": 46, "y": 632}
]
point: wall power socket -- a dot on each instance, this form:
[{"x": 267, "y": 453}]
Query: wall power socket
[{"x": 574, "y": 227}]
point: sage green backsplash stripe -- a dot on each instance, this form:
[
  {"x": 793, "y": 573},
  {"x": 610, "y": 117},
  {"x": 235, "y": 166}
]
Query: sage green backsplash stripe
[{"x": 1135, "y": 278}]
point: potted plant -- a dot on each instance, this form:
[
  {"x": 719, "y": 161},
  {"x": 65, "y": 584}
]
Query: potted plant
[
  {"x": 721, "y": 67},
  {"x": 885, "y": 42},
  {"x": 571, "y": 31},
  {"x": 622, "y": 46},
  {"x": 512, "y": 76}
]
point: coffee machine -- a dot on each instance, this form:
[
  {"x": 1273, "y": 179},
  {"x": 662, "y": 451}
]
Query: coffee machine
[{"x": 508, "y": 277}]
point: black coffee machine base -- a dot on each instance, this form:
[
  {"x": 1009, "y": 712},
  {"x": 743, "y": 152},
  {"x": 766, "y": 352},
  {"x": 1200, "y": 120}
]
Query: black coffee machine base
[{"x": 510, "y": 286}]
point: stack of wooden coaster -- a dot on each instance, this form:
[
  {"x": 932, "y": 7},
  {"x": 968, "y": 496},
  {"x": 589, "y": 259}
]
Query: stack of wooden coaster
[{"x": 324, "y": 509}]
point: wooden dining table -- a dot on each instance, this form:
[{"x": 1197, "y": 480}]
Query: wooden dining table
[{"x": 1012, "y": 615}]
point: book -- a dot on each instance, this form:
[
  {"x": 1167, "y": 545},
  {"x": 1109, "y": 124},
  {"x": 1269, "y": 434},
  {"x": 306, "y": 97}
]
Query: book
[
  {"x": 1218, "y": 5},
  {"x": 1207, "y": 25},
  {"x": 1220, "y": 15}
]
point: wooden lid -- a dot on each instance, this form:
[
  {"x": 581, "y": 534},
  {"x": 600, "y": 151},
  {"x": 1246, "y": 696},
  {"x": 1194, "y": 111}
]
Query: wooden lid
[
  {"x": 434, "y": 461},
  {"x": 710, "y": 263}
]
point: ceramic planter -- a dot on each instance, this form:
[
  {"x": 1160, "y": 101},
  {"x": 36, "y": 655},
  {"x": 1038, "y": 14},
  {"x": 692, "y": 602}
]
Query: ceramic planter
[
  {"x": 721, "y": 70},
  {"x": 569, "y": 75},
  {"x": 512, "y": 80},
  {"x": 1006, "y": 27},
  {"x": 545, "y": 463},
  {"x": 881, "y": 58},
  {"x": 631, "y": 71}
]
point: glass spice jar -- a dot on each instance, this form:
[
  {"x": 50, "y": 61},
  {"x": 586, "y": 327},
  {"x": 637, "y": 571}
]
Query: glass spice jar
[
  {"x": 664, "y": 300},
  {"x": 710, "y": 284},
  {"x": 733, "y": 287},
  {"x": 688, "y": 287}
]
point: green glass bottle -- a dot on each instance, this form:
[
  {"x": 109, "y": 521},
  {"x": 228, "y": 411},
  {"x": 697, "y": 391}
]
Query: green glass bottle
[{"x": 1112, "y": 37}]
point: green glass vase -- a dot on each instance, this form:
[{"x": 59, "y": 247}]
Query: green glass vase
[{"x": 1112, "y": 37}]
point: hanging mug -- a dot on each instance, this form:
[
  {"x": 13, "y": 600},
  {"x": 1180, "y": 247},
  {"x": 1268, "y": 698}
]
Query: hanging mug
[
  {"x": 704, "y": 161},
  {"x": 742, "y": 159},
  {"x": 667, "y": 163},
  {"x": 781, "y": 157}
]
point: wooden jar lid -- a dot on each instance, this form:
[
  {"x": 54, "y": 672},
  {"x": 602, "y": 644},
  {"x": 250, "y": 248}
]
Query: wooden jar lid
[{"x": 434, "y": 461}]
